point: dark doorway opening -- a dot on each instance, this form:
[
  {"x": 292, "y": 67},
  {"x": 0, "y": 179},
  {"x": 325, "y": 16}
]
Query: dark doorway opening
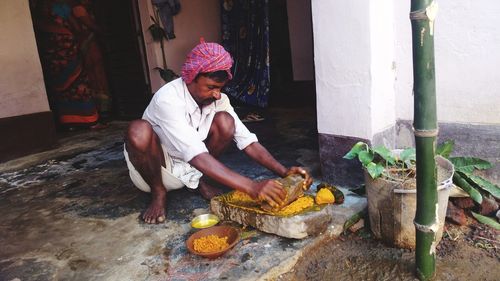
[
  {"x": 285, "y": 91},
  {"x": 124, "y": 56},
  {"x": 290, "y": 45}
]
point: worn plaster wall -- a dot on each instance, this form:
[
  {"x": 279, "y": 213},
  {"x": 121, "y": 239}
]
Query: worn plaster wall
[
  {"x": 354, "y": 64},
  {"x": 382, "y": 74},
  {"x": 467, "y": 39},
  {"x": 363, "y": 64},
  {"x": 197, "y": 18},
  {"x": 364, "y": 79},
  {"x": 354, "y": 60},
  {"x": 342, "y": 67},
  {"x": 22, "y": 89}
]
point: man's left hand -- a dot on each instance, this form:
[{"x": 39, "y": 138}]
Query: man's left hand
[{"x": 301, "y": 171}]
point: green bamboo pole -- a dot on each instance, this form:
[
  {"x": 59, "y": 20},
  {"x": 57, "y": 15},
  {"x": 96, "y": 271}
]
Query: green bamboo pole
[{"x": 425, "y": 124}]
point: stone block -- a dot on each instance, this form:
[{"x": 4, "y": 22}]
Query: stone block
[{"x": 299, "y": 226}]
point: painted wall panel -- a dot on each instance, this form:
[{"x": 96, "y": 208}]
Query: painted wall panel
[
  {"x": 22, "y": 89},
  {"x": 342, "y": 67}
]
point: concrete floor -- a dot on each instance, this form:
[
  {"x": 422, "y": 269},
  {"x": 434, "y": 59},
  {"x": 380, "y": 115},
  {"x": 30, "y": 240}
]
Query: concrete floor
[{"x": 73, "y": 214}]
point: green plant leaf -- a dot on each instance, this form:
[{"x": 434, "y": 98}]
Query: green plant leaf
[
  {"x": 365, "y": 157},
  {"x": 445, "y": 148},
  {"x": 355, "y": 150},
  {"x": 408, "y": 155},
  {"x": 385, "y": 153},
  {"x": 487, "y": 220},
  {"x": 468, "y": 164},
  {"x": 375, "y": 170},
  {"x": 486, "y": 185},
  {"x": 462, "y": 183}
]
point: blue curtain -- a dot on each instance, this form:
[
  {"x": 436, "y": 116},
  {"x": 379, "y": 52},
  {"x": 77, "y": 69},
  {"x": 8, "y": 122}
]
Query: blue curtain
[{"x": 245, "y": 34}]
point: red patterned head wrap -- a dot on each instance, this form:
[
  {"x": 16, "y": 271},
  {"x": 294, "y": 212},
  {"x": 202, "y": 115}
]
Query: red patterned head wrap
[{"x": 206, "y": 57}]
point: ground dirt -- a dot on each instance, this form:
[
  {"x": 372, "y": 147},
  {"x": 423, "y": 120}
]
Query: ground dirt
[{"x": 465, "y": 253}]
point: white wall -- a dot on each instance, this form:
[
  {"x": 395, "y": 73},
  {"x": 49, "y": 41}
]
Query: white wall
[
  {"x": 354, "y": 60},
  {"x": 467, "y": 44},
  {"x": 383, "y": 101},
  {"x": 342, "y": 67},
  {"x": 22, "y": 89}
]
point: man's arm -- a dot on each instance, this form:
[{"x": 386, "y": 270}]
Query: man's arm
[
  {"x": 268, "y": 190},
  {"x": 262, "y": 156}
]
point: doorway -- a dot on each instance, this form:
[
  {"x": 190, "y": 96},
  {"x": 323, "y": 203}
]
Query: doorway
[
  {"x": 287, "y": 88},
  {"x": 124, "y": 56},
  {"x": 271, "y": 42},
  {"x": 114, "y": 27}
]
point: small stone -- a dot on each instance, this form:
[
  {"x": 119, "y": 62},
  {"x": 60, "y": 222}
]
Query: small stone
[
  {"x": 455, "y": 215},
  {"x": 245, "y": 257},
  {"x": 488, "y": 206},
  {"x": 498, "y": 215},
  {"x": 463, "y": 202},
  {"x": 249, "y": 265}
]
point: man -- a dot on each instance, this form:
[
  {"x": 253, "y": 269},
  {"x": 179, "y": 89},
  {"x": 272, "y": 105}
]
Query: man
[{"x": 186, "y": 127}]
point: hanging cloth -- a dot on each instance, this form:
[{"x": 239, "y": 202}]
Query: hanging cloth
[
  {"x": 168, "y": 9},
  {"x": 245, "y": 34}
]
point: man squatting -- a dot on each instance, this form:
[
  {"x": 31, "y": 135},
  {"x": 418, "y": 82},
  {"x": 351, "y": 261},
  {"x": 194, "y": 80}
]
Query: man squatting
[{"x": 184, "y": 130}]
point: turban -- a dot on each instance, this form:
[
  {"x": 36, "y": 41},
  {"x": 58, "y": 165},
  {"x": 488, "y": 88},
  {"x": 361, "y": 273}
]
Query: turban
[{"x": 206, "y": 57}]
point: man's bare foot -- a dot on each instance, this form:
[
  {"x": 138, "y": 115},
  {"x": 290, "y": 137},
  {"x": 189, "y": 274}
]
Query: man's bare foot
[
  {"x": 155, "y": 213},
  {"x": 208, "y": 191}
]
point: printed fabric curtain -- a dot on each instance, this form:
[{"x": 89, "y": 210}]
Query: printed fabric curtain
[{"x": 245, "y": 35}]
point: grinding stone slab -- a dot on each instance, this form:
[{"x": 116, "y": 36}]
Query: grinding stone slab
[{"x": 299, "y": 226}]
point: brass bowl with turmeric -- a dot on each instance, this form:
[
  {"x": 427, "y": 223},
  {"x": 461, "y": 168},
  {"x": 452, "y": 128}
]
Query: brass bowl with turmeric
[{"x": 213, "y": 242}]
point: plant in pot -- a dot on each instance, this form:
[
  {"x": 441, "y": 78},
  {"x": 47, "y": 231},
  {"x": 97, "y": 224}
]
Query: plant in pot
[{"x": 391, "y": 191}]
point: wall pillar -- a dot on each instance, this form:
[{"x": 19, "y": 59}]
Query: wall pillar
[{"x": 353, "y": 47}]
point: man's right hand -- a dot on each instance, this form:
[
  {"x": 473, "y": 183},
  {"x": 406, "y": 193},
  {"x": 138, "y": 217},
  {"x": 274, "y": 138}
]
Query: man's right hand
[{"x": 270, "y": 191}]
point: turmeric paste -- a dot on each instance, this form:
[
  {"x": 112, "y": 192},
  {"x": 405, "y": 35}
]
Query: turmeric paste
[
  {"x": 242, "y": 200},
  {"x": 297, "y": 206},
  {"x": 241, "y": 197},
  {"x": 210, "y": 243},
  {"x": 324, "y": 196}
]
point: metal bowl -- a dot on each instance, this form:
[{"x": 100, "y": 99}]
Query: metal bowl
[
  {"x": 204, "y": 221},
  {"x": 232, "y": 234}
]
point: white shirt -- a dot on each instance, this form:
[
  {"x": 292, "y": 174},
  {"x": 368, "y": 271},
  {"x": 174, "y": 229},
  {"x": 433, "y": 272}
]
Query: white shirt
[{"x": 182, "y": 125}]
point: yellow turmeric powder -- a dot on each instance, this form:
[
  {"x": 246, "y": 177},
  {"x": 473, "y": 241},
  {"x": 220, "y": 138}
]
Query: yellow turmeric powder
[
  {"x": 242, "y": 200},
  {"x": 297, "y": 206},
  {"x": 324, "y": 196},
  {"x": 241, "y": 197},
  {"x": 210, "y": 243}
]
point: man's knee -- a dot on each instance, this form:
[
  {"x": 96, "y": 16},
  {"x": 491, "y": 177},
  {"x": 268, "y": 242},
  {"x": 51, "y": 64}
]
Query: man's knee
[
  {"x": 139, "y": 134},
  {"x": 224, "y": 123}
]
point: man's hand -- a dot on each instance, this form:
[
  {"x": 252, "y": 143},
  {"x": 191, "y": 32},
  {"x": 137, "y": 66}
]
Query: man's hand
[
  {"x": 270, "y": 191},
  {"x": 301, "y": 171}
]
